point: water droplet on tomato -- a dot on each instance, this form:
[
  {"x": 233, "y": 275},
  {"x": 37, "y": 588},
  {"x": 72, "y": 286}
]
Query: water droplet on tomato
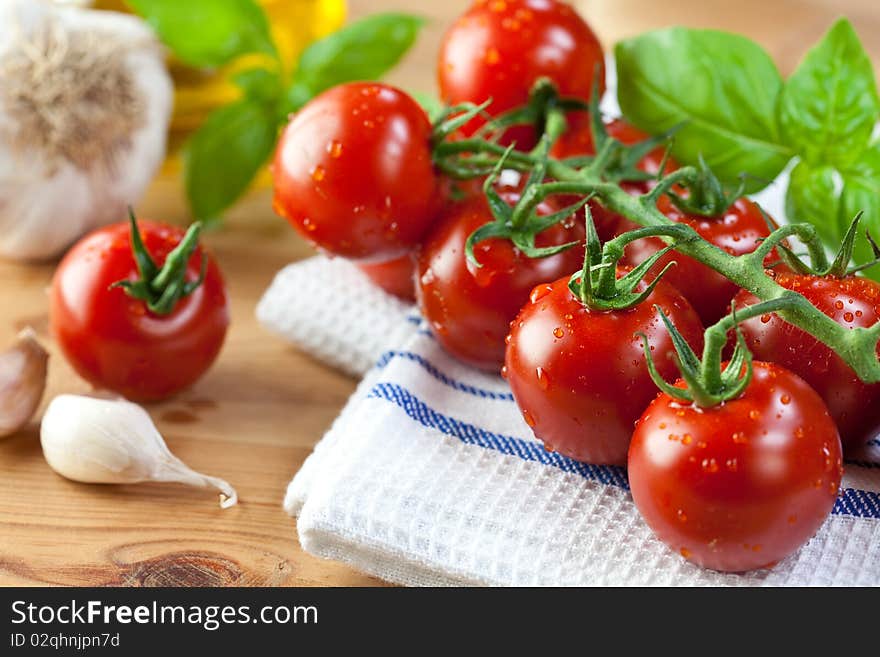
[
  {"x": 731, "y": 464},
  {"x": 838, "y": 304},
  {"x": 318, "y": 173},
  {"x": 508, "y": 338},
  {"x": 504, "y": 370},
  {"x": 685, "y": 553},
  {"x": 686, "y": 439},
  {"x": 528, "y": 418},
  {"x": 539, "y": 292},
  {"x": 549, "y": 448},
  {"x": 543, "y": 379},
  {"x": 334, "y": 148},
  {"x": 709, "y": 465},
  {"x": 739, "y": 438},
  {"x": 682, "y": 516},
  {"x": 785, "y": 399},
  {"x": 754, "y": 414},
  {"x": 492, "y": 56},
  {"x": 765, "y": 318},
  {"x": 558, "y": 332},
  {"x": 848, "y": 316}
]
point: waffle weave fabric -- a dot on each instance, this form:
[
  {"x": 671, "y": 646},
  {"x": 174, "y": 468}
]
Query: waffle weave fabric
[{"x": 431, "y": 477}]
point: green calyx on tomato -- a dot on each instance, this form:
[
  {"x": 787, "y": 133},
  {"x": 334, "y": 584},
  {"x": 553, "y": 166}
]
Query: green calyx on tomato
[
  {"x": 840, "y": 267},
  {"x": 704, "y": 386},
  {"x": 707, "y": 196},
  {"x": 597, "y": 285},
  {"x": 162, "y": 287},
  {"x": 520, "y": 224}
]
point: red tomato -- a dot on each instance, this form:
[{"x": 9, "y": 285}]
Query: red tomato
[
  {"x": 852, "y": 302},
  {"x": 578, "y": 140},
  {"x": 579, "y": 376},
  {"x": 353, "y": 172},
  {"x": 738, "y": 231},
  {"x": 498, "y": 49},
  {"x": 396, "y": 277},
  {"x": 741, "y": 485},
  {"x": 113, "y": 340},
  {"x": 470, "y": 308}
]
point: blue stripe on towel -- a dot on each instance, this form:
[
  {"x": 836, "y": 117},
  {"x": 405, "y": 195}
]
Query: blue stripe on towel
[
  {"x": 435, "y": 372},
  {"x": 850, "y": 502}
]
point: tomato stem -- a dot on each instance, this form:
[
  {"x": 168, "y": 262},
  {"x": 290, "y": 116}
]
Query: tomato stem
[
  {"x": 161, "y": 288},
  {"x": 596, "y": 177}
]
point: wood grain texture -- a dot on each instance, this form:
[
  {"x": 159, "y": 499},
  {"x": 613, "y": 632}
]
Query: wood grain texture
[{"x": 257, "y": 414}]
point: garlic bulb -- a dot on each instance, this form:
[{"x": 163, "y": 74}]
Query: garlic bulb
[
  {"x": 113, "y": 441},
  {"x": 22, "y": 381},
  {"x": 85, "y": 101}
]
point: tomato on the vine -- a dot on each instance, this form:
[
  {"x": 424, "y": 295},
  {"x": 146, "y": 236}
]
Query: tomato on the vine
[
  {"x": 743, "y": 484},
  {"x": 396, "y": 277},
  {"x": 579, "y": 375},
  {"x": 498, "y": 49},
  {"x": 852, "y": 302},
  {"x": 738, "y": 231},
  {"x": 470, "y": 308},
  {"x": 116, "y": 341},
  {"x": 354, "y": 174}
]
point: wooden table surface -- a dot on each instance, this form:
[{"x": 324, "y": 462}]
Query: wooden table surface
[{"x": 256, "y": 415}]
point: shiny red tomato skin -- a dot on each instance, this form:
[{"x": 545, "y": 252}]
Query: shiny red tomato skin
[
  {"x": 579, "y": 376},
  {"x": 742, "y": 485},
  {"x": 737, "y": 232},
  {"x": 851, "y": 302},
  {"x": 498, "y": 49},
  {"x": 112, "y": 340},
  {"x": 396, "y": 277},
  {"x": 470, "y": 309},
  {"x": 353, "y": 172}
]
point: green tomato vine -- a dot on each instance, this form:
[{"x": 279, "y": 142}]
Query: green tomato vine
[{"x": 597, "y": 177}]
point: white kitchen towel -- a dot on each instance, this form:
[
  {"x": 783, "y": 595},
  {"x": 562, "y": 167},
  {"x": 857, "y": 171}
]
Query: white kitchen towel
[
  {"x": 329, "y": 309},
  {"x": 431, "y": 477}
]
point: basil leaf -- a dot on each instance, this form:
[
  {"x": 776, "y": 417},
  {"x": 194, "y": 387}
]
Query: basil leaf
[
  {"x": 813, "y": 197},
  {"x": 208, "y": 33},
  {"x": 225, "y": 154},
  {"x": 364, "y": 50},
  {"x": 723, "y": 87},
  {"x": 259, "y": 83},
  {"x": 829, "y": 105},
  {"x": 861, "y": 193}
]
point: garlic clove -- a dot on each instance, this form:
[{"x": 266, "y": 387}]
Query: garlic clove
[
  {"x": 23, "y": 370},
  {"x": 114, "y": 441}
]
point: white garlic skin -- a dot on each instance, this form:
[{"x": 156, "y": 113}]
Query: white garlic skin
[
  {"x": 46, "y": 206},
  {"x": 23, "y": 369},
  {"x": 113, "y": 441}
]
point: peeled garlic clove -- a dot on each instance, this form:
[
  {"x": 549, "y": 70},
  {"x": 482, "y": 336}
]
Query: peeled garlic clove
[
  {"x": 113, "y": 441},
  {"x": 22, "y": 381}
]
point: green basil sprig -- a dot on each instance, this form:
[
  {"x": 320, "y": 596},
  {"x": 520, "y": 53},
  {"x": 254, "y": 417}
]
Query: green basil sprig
[
  {"x": 737, "y": 112},
  {"x": 224, "y": 155}
]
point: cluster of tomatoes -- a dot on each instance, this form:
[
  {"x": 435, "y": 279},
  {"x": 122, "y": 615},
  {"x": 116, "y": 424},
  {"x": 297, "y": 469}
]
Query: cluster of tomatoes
[{"x": 734, "y": 486}]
